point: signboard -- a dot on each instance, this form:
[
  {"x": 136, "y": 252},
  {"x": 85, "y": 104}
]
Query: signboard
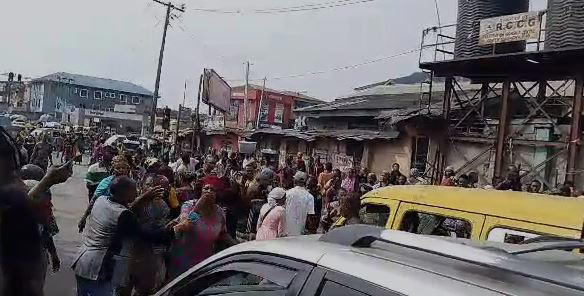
[
  {"x": 342, "y": 162},
  {"x": 510, "y": 28},
  {"x": 216, "y": 92},
  {"x": 125, "y": 108},
  {"x": 279, "y": 115},
  {"x": 264, "y": 112}
]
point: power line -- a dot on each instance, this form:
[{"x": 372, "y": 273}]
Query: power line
[
  {"x": 306, "y": 7},
  {"x": 341, "y": 68}
]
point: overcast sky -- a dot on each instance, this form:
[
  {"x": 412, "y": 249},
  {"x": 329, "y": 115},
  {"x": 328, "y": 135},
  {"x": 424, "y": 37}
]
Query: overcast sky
[{"x": 120, "y": 39}]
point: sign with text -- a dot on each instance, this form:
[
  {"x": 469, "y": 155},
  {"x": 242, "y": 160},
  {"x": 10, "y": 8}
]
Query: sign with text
[
  {"x": 510, "y": 28},
  {"x": 125, "y": 108},
  {"x": 342, "y": 161}
]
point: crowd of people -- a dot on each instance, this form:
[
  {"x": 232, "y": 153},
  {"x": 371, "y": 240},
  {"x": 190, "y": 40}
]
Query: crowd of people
[{"x": 148, "y": 219}]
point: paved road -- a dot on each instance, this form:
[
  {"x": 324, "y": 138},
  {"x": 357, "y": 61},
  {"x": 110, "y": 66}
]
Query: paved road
[{"x": 69, "y": 200}]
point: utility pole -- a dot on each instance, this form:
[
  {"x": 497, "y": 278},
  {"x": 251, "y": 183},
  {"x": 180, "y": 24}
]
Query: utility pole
[
  {"x": 169, "y": 8},
  {"x": 176, "y": 146},
  {"x": 197, "y": 127},
  {"x": 261, "y": 103},
  {"x": 246, "y": 100}
]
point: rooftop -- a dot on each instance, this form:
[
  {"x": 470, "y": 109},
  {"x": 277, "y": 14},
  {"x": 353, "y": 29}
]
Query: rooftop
[
  {"x": 95, "y": 82},
  {"x": 297, "y": 95},
  {"x": 522, "y": 66},
  {"x": 311, "y": 135}
]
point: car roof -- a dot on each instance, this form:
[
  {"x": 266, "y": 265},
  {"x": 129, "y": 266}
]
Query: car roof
[
  {"x": 557, "y": 211},
  {"x": 407, "y": 266}
]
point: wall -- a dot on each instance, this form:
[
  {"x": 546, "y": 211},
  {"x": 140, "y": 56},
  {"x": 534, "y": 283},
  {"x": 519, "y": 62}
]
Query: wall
[
  {"x": 218, "y": 142},
  {"x": 382, "y": 154},
  {"x": 71, "y": 93}
]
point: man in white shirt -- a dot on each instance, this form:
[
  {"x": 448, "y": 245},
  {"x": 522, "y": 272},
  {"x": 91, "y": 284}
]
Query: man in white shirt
[
  {"x": 299, "y": 204},
  {"x": 185, "y": 164}
]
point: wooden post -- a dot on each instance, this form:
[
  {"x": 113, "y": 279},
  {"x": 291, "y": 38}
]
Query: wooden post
[
  {"x": 440, "y": 158},
  {"x": 575, "y": 130},
  {"x": 502, "y": 130}
]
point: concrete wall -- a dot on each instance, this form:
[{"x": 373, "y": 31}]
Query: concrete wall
[{"x": 382, "y": 154}]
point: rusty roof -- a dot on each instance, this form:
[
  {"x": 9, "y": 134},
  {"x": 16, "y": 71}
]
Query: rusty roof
[{"x": 312, "y": 135}]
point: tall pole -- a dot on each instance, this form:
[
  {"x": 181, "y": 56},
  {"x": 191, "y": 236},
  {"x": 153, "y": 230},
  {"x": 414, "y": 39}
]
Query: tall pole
[
  {"x": 169, "y": 7},
  {"x": 197, "y": 128},
  {"x": 575, "y": 130},
  {"x": 176, "y": 146},
  {"x": 502, "y": 130},
  {"x": 245, "y": 99},
  {"x": 261, "y": 102}
]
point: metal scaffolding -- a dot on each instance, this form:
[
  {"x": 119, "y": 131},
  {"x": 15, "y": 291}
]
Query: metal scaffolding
[{"x": 520, "y": 90}]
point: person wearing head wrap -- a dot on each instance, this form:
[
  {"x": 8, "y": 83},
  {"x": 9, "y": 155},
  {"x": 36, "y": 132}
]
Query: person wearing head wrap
[
  {"x": 201, "y": 226},
  {"x": 272, "y": 219}
]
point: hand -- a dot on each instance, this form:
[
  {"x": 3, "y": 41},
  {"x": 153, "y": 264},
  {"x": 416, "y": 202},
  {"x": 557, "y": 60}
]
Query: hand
[
  {"x": 59, "y": 174},
  {"x": 56, "y": 263},
  {"x": 153, "y": 193},
  {"x": 170, "y": 225},
  {"x": 81, "y": 224}
]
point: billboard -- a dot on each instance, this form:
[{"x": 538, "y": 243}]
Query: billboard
[
  {"x": 215, "y": 91},
  {"x": 510, "y": 28}
]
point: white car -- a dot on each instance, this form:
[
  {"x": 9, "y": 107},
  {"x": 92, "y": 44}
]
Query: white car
[{"x": 362, "y": 260}]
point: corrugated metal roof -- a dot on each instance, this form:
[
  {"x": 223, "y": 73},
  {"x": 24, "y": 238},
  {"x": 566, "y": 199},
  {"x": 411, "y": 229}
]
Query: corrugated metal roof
[
  {"x": 311, "y": 135},
  {"x": 298, "y": 95},
  {"x": 381, "y": 102},
  {"x": 96, "y": 82}
]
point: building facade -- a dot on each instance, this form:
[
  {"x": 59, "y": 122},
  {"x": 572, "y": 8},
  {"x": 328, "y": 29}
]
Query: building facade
[
  {"x": 92, "y": 101},
  {"x": 275, "y": 111}
]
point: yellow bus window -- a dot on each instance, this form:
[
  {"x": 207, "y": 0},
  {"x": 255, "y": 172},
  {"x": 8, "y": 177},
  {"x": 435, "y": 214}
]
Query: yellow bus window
[
  {"x": 432, "y": 224},
  {"x": 375, "y": 215},
  {"x": 510, "y": 236}
]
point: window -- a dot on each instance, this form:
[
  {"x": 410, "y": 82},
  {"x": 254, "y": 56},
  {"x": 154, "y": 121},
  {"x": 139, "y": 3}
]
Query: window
[
  {"x": 83, "y": 93},
  {"x": 97, "y": 95},
  {"x": 110, "y": 109},
  {"x": 333, "y": 289},
  {"x": 123, "y": 98},
  {"x": 510, "y": 236},
  {"x": 75, "y": 91},
  {"x": 135, "y": 100},
  {"x": 420, "y": 146},
  {"x": 112, "y": 95},
  {"x": 237, "y": 277},
  {"x": 376, "y": 215},
  {"x": 432, "y": 224}
]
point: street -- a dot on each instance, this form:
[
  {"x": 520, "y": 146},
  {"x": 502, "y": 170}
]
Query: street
[{"x": 69, "y": 200}]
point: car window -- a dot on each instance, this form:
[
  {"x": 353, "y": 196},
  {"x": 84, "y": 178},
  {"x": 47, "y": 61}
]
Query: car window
[
  {"x": 330, "y": 288},
  {"x": 237, "y": 277},
  {"x": 434, "y": 224},
  {"x": 504, "y": 235},
  {"x": 376, "y": 215}
]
